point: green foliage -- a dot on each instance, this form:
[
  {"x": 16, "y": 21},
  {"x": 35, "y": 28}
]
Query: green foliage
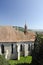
[
  {"x": 3, "y": 61},
  {"x": 23, "y": 60},
  {"x": 19, "y": 28},
  {"x": 37, "y": 55}
]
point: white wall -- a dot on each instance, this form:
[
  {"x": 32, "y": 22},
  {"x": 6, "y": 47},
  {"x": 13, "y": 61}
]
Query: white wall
[
  {"x": 14, "y": 55},
  {"x": 7, "y": 46}
]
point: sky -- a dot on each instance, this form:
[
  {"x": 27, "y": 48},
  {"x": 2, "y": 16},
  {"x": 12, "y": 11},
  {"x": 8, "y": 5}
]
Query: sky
[{"x": 19, "y": 12}]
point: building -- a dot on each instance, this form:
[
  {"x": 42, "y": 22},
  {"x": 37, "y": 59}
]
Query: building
[{"x": 14, "y": 43}]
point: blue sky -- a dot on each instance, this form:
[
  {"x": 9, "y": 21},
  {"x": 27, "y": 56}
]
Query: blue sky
[{"x": 15, "y": 12}]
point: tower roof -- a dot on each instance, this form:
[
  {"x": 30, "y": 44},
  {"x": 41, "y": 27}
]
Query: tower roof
[{"x": 25, "y": 29}]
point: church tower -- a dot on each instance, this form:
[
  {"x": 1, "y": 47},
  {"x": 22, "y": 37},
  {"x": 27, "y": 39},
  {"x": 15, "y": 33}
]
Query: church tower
[{"x": 25, "y": 29}]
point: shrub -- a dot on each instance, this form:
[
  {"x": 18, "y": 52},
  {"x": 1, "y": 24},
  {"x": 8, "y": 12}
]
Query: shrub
[
  {"x": 3, "y": 61},
  {"x": 37, "y": 55}
]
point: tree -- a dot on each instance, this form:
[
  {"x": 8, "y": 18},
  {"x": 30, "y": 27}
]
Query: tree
[{"x": 37, "y": 55}]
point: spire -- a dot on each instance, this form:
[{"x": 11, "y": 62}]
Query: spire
[{"x": 25, "y": 28}]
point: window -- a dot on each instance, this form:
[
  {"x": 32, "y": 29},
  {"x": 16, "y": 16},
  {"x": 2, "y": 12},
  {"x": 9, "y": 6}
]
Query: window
[
  {"x": 12, "y": 48},
  {"x": 28, "y": 47},
  {"x": 21, "y": 47},
  {"x": 2, "y": 48},
  {"x": 32, "y": 47}
]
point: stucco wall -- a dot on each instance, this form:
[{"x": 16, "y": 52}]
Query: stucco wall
[
  {"x": 30, "y": 47},
  {"x": 7, "y": 46},
  {"x": 14, "y": 55}
]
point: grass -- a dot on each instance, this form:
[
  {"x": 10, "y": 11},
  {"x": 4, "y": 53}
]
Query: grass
[{"x": 27, "y": 59}]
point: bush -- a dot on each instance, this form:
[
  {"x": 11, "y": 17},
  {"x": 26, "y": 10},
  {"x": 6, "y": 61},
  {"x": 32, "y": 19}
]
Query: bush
[
  {"x": 37, "y": 55},
  {"x": 3, "y": 61}
]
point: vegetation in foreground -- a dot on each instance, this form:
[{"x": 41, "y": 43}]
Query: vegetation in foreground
[
  {"x": 3, "y": 61},
  {"x": 37, "y": 55},
  {"x": 23, "y": 60}
]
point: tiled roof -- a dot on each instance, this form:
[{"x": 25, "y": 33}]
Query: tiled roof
[{"x": 9, "y": 34}]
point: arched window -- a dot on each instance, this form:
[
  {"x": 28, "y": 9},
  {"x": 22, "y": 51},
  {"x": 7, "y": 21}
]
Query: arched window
[
  {"x": 2, "y": 48},
  {"x": 28, "y": 47},
  {"x": 21, "y": 47},
  {"x": 12, "y": 48}
]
